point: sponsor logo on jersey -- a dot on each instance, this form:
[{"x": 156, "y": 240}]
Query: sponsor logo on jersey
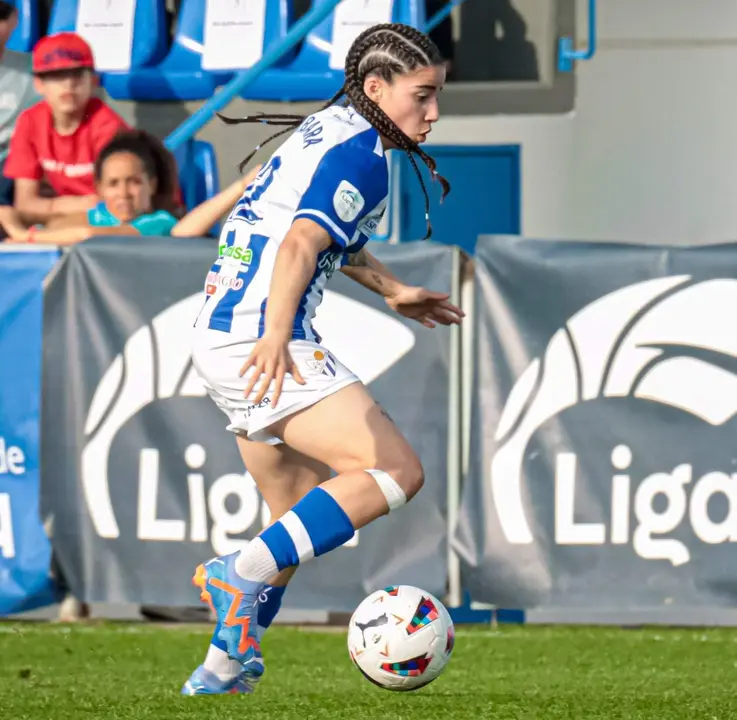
[
  {"x": 217, "y": 280},
  {"x": 244, "y": 255},
  {"x": 348, "y": 201},
  {"x": 321, "y": 364}
]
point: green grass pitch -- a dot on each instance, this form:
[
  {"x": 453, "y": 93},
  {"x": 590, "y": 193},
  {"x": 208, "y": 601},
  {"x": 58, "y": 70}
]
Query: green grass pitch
[{"x": 117, "y": 672}]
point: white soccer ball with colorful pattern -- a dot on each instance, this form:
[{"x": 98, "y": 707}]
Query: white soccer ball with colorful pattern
[{"x": 401, "y": 637}]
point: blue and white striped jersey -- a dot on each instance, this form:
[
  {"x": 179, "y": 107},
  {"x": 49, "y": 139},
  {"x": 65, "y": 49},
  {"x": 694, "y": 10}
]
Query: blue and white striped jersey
[{"x": 333, "y": 171}]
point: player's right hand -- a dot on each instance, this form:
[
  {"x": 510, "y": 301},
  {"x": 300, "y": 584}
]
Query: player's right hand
[{"x": 269, "y": 361}]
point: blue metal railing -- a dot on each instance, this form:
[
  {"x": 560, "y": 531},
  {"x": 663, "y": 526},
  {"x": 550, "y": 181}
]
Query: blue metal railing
[
  {"x": 566, "y": 53},
  {"x": 441, "y": 14},
  {"x": 221, "y": 98},
  {"x": 186, "y": 131}
]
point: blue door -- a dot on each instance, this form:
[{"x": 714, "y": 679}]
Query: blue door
[{"x": 484, "y": 196}]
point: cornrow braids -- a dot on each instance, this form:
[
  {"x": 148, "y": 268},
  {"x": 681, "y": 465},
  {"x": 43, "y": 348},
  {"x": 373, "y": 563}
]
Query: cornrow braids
[
  {"x": 384, "y": 50},
  {"x": 388, "y": 50}
]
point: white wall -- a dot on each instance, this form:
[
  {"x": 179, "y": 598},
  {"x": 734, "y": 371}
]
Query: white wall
[{"x": 650, "y": 152}]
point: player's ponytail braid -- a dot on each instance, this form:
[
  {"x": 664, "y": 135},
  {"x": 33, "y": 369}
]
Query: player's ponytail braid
[{"x": 384, "y": 50}]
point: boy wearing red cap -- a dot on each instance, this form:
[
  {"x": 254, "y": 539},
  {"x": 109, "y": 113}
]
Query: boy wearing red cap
[{"x": 58, "y": 139}]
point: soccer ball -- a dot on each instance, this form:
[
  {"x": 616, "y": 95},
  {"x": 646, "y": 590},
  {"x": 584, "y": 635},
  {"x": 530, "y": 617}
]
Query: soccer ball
[{"x": 401, "y": 637}]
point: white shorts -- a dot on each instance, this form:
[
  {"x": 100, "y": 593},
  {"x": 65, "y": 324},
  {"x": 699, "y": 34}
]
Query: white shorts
[{"x": 218, "y": 358}]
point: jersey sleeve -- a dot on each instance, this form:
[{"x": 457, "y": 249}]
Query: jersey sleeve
[
  {"x": 349, "y": 183},
  {"x": 23, "y": 161}
]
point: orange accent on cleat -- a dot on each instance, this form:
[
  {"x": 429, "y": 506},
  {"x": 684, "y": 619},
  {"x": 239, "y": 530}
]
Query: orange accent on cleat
[
  {"x": 200, "y": 580},
  {"x": 233, "y": 620}
]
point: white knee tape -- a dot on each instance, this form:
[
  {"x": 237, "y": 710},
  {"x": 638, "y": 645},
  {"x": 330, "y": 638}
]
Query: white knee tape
[{"x": 390, "y": 488}]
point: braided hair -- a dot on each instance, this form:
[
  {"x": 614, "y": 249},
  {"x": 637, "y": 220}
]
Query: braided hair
[{"x": 384, "y": 50}]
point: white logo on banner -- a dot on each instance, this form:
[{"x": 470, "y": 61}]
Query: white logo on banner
[
  {"x": 367, "y": 340},
  {"x": 13, "y": 464},
  {"x": 233, "y": 34},
  {"x": 108, "y": 28},
  {"x": 616, "y": 347},
  {"x": 7, "y": 539}
]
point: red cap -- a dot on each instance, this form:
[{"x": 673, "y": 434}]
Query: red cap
[{"x": 63, "y": 51}]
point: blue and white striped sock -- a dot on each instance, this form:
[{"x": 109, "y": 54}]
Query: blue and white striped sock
[{"x": 314, "y": 526}]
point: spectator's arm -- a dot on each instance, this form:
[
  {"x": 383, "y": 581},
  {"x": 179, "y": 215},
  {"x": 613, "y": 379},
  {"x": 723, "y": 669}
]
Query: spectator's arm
[
  {"x": 37, "y": 209},
  {"x": 198, "y": 221},
  {"x": 62, "y": 236},
  {"x": 64, "y": 221},
  {"x": 12, "y": 222},
  {"x": 71, "y": 235},
  {"x": 18, "y": 231}
]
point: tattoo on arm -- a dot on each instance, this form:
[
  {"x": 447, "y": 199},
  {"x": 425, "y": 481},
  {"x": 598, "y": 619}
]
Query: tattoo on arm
[
  {"x": 361, "y": 259},
  {"x": 373, "y": 275},
  {"x": 358, "y": 259}
]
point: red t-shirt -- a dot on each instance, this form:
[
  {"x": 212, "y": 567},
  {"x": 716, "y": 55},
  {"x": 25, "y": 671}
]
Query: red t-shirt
[{"x": 66, "y": 162}]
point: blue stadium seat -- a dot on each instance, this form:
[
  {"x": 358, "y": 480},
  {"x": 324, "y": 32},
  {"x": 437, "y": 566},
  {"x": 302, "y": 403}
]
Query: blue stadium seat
[
  {"x": 150, "y": 34},
  {"x": 204, "y": 183},
  {"x": 309, "y": 76},
  {"x": 26, "y": 34},
  {"x": 180, "y": 76}
]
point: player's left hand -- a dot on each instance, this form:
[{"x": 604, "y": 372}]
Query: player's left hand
[{"x": 427, "y": 307}]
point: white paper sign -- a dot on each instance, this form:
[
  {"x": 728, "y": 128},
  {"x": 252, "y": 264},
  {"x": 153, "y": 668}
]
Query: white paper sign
[
  {"x": 107, "y": 25},
  {"x": 234, "y": 34},
  {"x": 350, "y": 19}
]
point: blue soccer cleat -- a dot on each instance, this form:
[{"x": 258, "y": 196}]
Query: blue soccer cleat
[
  {"x": 234, "y": 601},
  {"x": 204, "y": 682}
]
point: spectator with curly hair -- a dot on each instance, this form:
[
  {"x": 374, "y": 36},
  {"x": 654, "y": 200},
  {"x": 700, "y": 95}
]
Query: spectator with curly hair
[{"x": 136, "y": 181}]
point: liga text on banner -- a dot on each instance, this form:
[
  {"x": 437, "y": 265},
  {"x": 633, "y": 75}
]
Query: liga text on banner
[
  {"x": 147, "y": 481},
  {"x": 602, "y": 465}
]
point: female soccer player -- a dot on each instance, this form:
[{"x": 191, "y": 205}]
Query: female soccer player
[{"x": 296, "y": 410}]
